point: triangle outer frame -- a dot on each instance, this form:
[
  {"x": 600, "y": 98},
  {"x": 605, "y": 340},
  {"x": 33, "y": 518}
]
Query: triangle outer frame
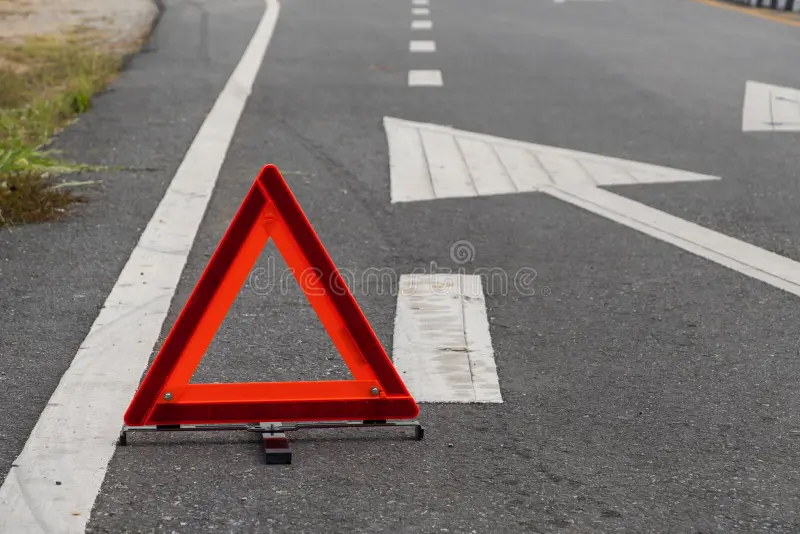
[{"x": 270, "y": 210}]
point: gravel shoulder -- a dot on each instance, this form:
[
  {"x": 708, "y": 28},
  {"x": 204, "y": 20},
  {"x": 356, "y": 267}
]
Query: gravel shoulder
[{"x": 122, "y": 24}]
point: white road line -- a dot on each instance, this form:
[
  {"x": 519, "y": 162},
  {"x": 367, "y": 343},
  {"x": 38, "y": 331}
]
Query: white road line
[
  {"x": 770, "y": 108},
  {"x": 419, "y": 2},
  {"x": 422, "y": 46},
  {"x": 504, "y": 166},
  {"x": 564, "y": 169},
  {"x": 523, "y": 167},
  {"x": 407, "y": 162},
  {"x": 442, "y": 346},
  {"x": 421, "y": 24},
  {"x": 419, "y": 11},
  {"x": 521, "y": 162},
  {"x": 53, "y": 484},
  {"x": 425, "y": 78},
  {"x": 485, "y": 168},
  {"x": 742, "y": 257},
  {"x": 446, "y": 166}
]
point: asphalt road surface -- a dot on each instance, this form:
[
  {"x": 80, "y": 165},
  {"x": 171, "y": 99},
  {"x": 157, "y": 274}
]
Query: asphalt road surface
[{"x": 645, "y": 388}]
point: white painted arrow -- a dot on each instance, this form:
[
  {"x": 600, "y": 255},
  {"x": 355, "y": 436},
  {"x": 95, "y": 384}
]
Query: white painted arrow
[
  {"x": 770, "y": 108},
  {"x": 429, "y": 162}
]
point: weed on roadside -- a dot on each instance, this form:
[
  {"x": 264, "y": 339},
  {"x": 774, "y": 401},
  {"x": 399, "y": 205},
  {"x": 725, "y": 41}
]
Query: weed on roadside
[
  {"x": 27, "y": 198},
  {"x": 45, "y": 83}
]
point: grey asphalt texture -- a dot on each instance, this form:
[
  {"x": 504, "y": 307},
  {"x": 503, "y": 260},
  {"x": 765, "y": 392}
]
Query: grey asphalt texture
[
  {"x": 645, "y": 389},
  {"x": 57, "y": 276}
]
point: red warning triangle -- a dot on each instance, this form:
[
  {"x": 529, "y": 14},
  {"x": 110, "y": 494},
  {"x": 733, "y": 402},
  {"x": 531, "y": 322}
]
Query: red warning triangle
[{"x": 165, "y": 396}]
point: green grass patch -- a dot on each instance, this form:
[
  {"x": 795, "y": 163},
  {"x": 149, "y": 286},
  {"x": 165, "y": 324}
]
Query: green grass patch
[{"x": 45, "y": 83}]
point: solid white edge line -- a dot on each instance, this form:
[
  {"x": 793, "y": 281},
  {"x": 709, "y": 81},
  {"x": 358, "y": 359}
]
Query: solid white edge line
[
  {"x": 768, "y": 267},
  {"x": 54, "y": 482}
]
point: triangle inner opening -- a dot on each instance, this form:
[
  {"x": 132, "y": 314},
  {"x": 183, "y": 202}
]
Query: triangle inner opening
[{"x": 271, "y": 333}]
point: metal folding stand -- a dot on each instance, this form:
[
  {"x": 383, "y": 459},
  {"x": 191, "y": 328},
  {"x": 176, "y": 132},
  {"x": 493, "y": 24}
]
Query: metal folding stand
[{"x": 273, "y": 435}]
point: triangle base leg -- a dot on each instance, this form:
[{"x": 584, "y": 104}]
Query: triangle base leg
[
  {"x": 273, "y": 435},
  {"x": 276, "y": 446}
]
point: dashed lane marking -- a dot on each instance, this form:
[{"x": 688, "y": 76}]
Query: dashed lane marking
[
  {"x": 442, "y": 346},
  {"x": 425, "y": 78},
  {"x": 422, "y": 46}
]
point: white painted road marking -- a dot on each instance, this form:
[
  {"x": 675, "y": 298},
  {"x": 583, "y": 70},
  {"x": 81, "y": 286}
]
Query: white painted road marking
[
  {"x": 465, "y": 164},
  {"x": 421, "y": 24},
  {"x": 446, "y": 167},
  {"x": 415, "y": 178},
  {"x": 422, "y": 46},
  {"x": 419, "y": 2},
  {"x": 770, "y": 108},
  {"x": 55, "y": 480},
  {"x": 773, "y": 269},
  {"x": 425, "y": 78},
  {"x": 420, "y": 11},
  {"x": 442, "y": 346}
]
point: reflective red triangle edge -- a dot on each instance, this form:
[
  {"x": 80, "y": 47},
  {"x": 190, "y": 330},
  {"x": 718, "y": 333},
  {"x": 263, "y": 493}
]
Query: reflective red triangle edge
[{"x": 394, "y": 403}]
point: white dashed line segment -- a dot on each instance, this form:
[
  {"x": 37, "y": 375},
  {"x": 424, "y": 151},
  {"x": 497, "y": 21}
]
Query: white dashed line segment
[
  {"x": 422, "y": 46},
  {"x": 442, "y": 345},
  {"x": 425, "y": 78}
]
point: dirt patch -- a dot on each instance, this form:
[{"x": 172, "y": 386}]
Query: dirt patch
[
  {"x": 29, "y": 198},
  {"x": 55, "y": 55},
  {"x": 119, "y": 24}
]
